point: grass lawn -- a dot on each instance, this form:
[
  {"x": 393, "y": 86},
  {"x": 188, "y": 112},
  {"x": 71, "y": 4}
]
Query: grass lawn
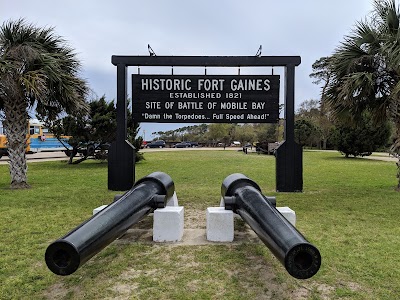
[{"x": 348, "y": 209}]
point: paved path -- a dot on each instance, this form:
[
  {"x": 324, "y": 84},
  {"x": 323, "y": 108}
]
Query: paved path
[
  {"x": 40, "y": 156},
  {"x": 384, "y": 158},
  {"x": 381, "y": 156},
  {"x": 58, "y": 155}
]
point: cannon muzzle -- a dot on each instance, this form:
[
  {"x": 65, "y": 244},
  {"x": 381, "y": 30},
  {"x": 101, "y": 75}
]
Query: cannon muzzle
[
  {"x": 242, "y": 195},
  {"x": 67, "y": 254}
]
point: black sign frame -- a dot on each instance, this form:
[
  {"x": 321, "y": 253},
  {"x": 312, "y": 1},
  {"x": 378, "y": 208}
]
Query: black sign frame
[{"x": 289, "y": 155}]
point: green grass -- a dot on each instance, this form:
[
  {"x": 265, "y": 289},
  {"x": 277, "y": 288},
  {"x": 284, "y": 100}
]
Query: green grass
[{"x": 348, "y": 209}]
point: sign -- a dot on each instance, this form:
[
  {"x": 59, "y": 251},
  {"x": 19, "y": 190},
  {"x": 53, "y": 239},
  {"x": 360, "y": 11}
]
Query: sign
[{"x": 205, "y": 98}]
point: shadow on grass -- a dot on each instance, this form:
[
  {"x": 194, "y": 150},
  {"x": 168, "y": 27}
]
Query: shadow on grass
[
  {"x": 92, "y": 164},
  {"x": 350, "y": 159}
]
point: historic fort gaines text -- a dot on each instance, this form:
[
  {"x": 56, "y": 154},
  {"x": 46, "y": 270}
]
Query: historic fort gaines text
[{"x": 205, "y": 99}]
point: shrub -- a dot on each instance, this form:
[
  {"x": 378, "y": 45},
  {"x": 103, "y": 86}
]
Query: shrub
[{"x": 361, "y": 139}]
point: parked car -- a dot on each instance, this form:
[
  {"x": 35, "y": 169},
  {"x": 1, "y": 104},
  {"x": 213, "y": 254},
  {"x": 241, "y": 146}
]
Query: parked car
[
  {"x": 235, "y": 144},
  {"x": 267, "y": 148},
  {"x": 156, "y": 144},
  {"x": 182, "y": 145},
  {"x": 194, "y": 144}
]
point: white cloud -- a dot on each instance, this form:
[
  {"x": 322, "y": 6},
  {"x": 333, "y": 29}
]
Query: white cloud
[{"x": 100, "y": 29}]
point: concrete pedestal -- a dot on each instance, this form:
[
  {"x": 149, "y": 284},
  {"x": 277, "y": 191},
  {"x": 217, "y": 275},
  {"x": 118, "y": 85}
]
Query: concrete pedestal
[
  {"x": 219, "y": 224},
  {"x": 173, "y": 200},
  {"x": 100, "y": 208},
  {"x": 288, "y": 213},
  {"x": 168, "y": 224}
]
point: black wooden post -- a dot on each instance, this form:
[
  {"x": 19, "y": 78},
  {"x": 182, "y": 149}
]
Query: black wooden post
[
  {"x": 289, "y": 155},
  {"x": 121, "y": 102},
  {"x": 121, "y": 155}
]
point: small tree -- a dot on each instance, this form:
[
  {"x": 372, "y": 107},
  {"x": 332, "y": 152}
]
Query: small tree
[
  {"x": 317, "y": 113},
  {"x": 95, "y": 130},
  {"x": 361, "y": 139},
  {"x": 304, "y": 130},
  {"x": 245, "y": 133},
  {"x": 220, "y": 132},
  {"x": 266, "y": 132}
]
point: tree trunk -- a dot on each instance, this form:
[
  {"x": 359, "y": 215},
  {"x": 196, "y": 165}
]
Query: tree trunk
[
  {"x": 16, "y": 123},
  {"x": 324, "y": 140},
  {"x": 395, "y": 150},
  {"x": 398, "y": 174}
]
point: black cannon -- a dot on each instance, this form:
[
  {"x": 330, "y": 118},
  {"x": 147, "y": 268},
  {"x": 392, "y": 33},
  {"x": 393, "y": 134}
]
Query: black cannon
[
  {"x": 67, "y": 254},
  {"x": 242, "y": 195}
]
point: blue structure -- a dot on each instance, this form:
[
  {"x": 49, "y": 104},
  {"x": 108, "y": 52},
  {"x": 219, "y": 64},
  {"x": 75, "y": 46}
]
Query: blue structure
[{"x": 48, "y": 144}]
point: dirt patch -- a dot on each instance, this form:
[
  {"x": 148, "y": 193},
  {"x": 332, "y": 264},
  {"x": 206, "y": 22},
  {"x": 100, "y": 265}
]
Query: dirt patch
[
  {"x": 195, "y": 218},
  {"x": 308, "y": 289},
  {"x": 264, "y": 285},
  {"x": 123, "y": 290},
  {"x": 194, "y": 232},
  {"x": 354, "y": 287},
  {"x": 56, "y": 291},
  {"x": 59, "y": 291}
]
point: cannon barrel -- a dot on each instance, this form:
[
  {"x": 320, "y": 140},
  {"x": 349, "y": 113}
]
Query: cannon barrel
[
  {"x": 65, "y": 255},
  {"x": 242, "y": 195}
]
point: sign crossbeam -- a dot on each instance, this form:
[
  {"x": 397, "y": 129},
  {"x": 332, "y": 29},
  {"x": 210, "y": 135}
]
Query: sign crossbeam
[{"x": 208, "y": 61}]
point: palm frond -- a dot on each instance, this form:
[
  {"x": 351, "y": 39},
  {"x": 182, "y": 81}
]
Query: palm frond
[{"x": 46, "y": 68}]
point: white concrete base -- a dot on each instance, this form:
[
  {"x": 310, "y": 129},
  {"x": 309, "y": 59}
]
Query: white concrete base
[
  {"x": 222, "y": 202},
  {"x": 220, "y": 226},
  {"x": 168, "y": 224},
  {"x": 173, "y": 201},
  {"x": 288, "y": 213},
  {"x": 100, "y": 208}
]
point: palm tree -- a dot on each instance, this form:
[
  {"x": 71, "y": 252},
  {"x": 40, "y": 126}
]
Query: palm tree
[
  {"x": 365, "y": 70},
  {"x": 37, "y": 69}
]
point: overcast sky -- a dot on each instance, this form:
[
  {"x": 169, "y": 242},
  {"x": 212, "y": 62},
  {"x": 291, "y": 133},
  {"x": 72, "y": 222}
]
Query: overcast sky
[{"x": 100, "y": 29}]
